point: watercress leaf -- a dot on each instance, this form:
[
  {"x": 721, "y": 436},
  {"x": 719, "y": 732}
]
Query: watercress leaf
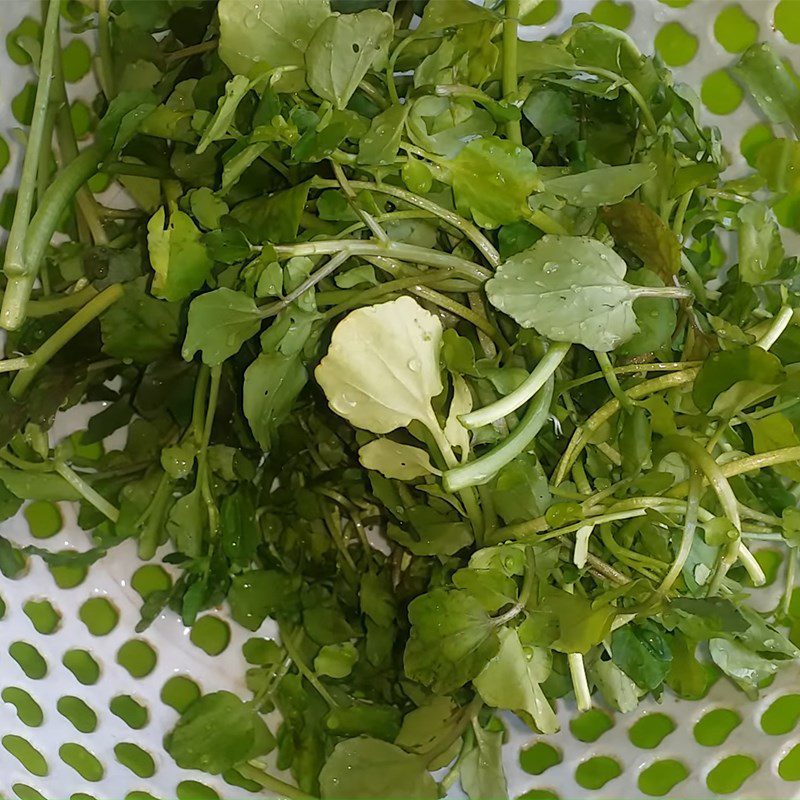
[
  {"x": 271, "y": 385},
  {"x": 255, "y": 40},
  {"x": 461, "y": 403},
  {"x": 760, "y": 246},
  {"x": 779, "y": 162},
  {"x": 177, "y": 255},
  {"x": 492, "y": 588},
  {"x": 366, "y": 768},
  {"x": 12, "y": 559},
  {"x": 731, "y": 379},
  {"x": 206, "y": 207},
  {"x": 748, "y": 670},
  {"x": 275, "y": 218},
  {"x": 492, "y": 179},
  {"x": 770, "y": 83},
  {"x": 426, "y": 728},
  {"x": 655, "y": 316},
  {"x": 551, "y": 112},
  {"x": 382, "y": 366},
  {"x": 482, "y": 773},
  {"x": 443, "y": 126},
  {"x": 219, "y": 323},
  {"x": 37, "y": 485},
  {"x": 441, "y": 14},
  {"x": 570, "y": 289},
  {"x": 9, "y": 503},
  {"x": 520, "y": 490},
  {"x": 603, "y": 186},
  {"x": 508, "y": 682},
  {"x": 394, "y": 460},
  {"x": 257, "y": 594},
  {"x": 642, "y": 652},
  {"x": 186, "y": 524},
  {"x": 377, "y": 599},
  {"x": 357, "y": 276},
  {"x": 637, "y": 227},
  {"x": 217, "y": 732},
  {"x": 432, "y": 532},
  {"x": 617, "y": 688},
  {"x": 217, "y": 127},
  {"x": 773, "y": 432},
  {"x": 343, "y": 49},
  {"x": 138, "y": 327},
  {"x": 451, "y": 639},
  {"x": 336, "y": 660},
  {"x": 228, "y": 246},
  {"x": 380, "y": 144}
]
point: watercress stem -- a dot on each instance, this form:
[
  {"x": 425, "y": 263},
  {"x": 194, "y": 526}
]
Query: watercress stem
[
  {"x": 527, "y": 389},
  {"x": 86, "y": 491},
  {"x": 687, "y": 535},
  {"x": 93, "y": 309},
  {"x": 16, "y": 258},
  {"x": 271, "y": 783},
  {"x": 398, "y": 250},
  {"x": 510, "y": 22},
  {"x": 482, "y": 469},
  {"x": 611, "y": 379}
]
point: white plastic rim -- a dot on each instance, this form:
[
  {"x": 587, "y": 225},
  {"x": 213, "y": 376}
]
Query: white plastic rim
[{"x": 652, "y": 751}]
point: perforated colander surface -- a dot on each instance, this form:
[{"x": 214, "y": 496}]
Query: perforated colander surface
[{"x": 86, "y": 701}]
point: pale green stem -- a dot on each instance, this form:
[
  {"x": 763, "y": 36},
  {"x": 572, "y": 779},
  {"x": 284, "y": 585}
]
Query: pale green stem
[
  {"x": 86, "y": 491},
  {"x": 779, "y": 325},
  {"x": 577, "y": 671},
  {"x": 14, "y": 364},
  {"x": 687, "y": 536},
  {"x": 276, "y": 787},
  {"x": 512, "y": 9},
  {"x": 611, "y": 379},
  {"x": 524, "y": 392}
]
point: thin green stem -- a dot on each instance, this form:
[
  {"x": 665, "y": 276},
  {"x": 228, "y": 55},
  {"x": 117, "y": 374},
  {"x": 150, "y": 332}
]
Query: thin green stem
[
  {"x": 611, "y": 379},
  {"x": 672, "y": 292},
  {"x": 647, "y": 114},
  {"x": 510, "y": 23},
  {"x": 577, "y": 671},
  {"x": 687, "y": 536},
  {"x": 629, "y": 369},
  {"x": 16, "y": 258},
  {"x": 274, "y": 785},
  {"x": 398, "y": 250},
  {"x": 86, "y": 491},
  {"x": 791, "y": 580},
  {"x": 106, "y": 54},
  {"x": 482, "y": 469},
  {"x": 294, "y": 654},
  {"x": 14, "y": 364},
  {"x": 524, "y": 392},
  {"x": 93, "y": 309},
  {"x": 778, "y": 326}
]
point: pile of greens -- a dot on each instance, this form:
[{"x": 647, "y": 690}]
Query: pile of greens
[{"x": 427, "y": 344}]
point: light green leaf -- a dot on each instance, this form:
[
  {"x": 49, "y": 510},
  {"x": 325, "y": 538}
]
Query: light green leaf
[
  {"x": 37, "y": 485},
  {"x": 219, "y": 323},
  {"x": 271, "y": 385},
  {"x": 380, "y": 144},
  {"x": 508, "y": 682},
  {"x": 570, "y": 289},
  {"x": 655, "y": 316},
  {"x": 444, "y": 125},
  {"x": 186, "y": 524},
  {"x": 382, "y": 366},
  {"x": 257, "y": 38},
  {"x": 217, "y": 128},
  {"x": 604, "y": 186},
  {"x": 342, "y": 50},
  {"x": 451, "y": 640},
  {"x": 368, "y": 768},
  {"x": 779, "y": 162},
  {"x": 771, "y": 433},
  {"x": 461, "y": 403},
  {"x": 177, "y": 255},
  {"x": 616, "y": 687},
  {"x": 760, "y": 246},
  {"x": 275, "y": 218},
  {"x": 551, "y": 113},
  {"x": 747, "y": 669},
  {"x": 482, "y": 774},
  {"x": 425, "y": 728},
  {"x": 206, "y": 207},
  {"x": 336, "y": 660},
  {"x": 492, "y": 179},
  {"x": 394, "y": 460}
]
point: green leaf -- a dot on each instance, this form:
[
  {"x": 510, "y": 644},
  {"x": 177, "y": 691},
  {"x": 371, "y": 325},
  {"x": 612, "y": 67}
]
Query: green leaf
[
  {"x": 570, "y": 289},
  {"x": 187, "y": 523},
  {"x": 275, "y": 218},
  {"x": 380, "y": 144},
  {"x": 432, "y": 532},
  {"x": 206, "y": 207},
  {"x": 382, "y": 366},
  {"x": 642, "y": 652},
  {"x": 730, "y": 380},
  {"x": 441, "y": 14},
  {"x": 9, "y": 503},
  {"x": 177, "y": 255},
  {"x": 520, "y": 490},
  {"x": 492, "y": 179},
  {"x": 771, "y": 84},
  {"x": 343, "y": 49},
  {"x": 427, "y": 728},
  {"x": 550, "y": 111},
  {"x": 217, "y": 127},
  {"x": 655, "y": 316},
  {"x": 482, "y": 774},
  {"x": 336, "y": 660},
  {"x": 37, "y": 485},
  {"x": 771, "y": 433},
  {"x": 444, "y": 125},
  {"x": 377, "y": 599},
  {"x": 638, "y": 228},
  {"x": 217, "y": 732},
  {"x": 258, "y": 594},
  {"x": 509, "y": 682},
  {"x": 617, "y": 688},
  {"x": 138, "y": 327},
  {"x": 779, "y": 162},
  {"x": 394, "y": 460},
  {"x": 368, "y": 768},
  {"x": 271, "y": 385},
  {"x": 220, "y": 322},
  {"x": 451, "y": 640},
  {"x": 748, "y": 670},
  {"x": 760, "y": 246},
  {"x": 604, "y": 186},
  {"x": 257, "y": 39}
]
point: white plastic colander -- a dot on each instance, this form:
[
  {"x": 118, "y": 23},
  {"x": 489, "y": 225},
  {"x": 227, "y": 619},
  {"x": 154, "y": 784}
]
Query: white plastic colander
[{"x": 87, "y": 701}]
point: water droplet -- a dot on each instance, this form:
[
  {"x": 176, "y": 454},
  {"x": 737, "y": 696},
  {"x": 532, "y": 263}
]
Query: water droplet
[{"x": 414, "y": 365}]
